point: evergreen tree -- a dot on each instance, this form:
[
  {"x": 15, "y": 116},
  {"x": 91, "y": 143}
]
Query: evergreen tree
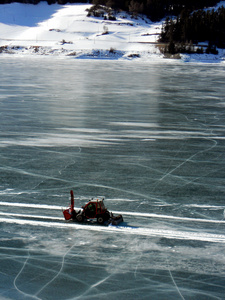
[{"x": 199, "y": 26}]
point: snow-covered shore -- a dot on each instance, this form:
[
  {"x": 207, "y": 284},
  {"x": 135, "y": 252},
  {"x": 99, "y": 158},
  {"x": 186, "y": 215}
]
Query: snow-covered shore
[{"x": 57, "y": 30}]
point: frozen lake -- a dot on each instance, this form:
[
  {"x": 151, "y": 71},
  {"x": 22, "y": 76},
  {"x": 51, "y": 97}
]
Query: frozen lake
[{"x": 147, "y": 136}]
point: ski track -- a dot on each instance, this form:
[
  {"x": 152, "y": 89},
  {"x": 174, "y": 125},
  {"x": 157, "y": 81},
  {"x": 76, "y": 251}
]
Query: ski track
[
  {"x": 57, "y": 222},
  {"x": 18, "y": 275},
  {"x": 170, "y": 234},
  {"x": 174, "y": 282},
  {"x": 57, "y": 274},
  {"x": 189, "y": 159},
  {"x": 136, "y": 214}
]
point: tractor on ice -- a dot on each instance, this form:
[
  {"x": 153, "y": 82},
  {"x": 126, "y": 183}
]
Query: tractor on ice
[{"x": 94, "y": 209}]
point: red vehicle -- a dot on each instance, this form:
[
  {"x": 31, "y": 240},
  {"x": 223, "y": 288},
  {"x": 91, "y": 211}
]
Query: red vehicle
[{"x": 94, "y": 209}]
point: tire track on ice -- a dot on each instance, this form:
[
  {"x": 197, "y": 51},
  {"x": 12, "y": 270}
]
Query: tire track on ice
[{"x": 141, "y": 231}]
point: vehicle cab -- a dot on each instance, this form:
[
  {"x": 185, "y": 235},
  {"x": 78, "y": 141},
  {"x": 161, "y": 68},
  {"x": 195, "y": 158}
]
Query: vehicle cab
[{"x": 94, "y": 208}]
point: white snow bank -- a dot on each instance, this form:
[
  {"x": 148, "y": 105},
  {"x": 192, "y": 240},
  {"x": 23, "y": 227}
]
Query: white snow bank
[{"x": 66, "y": 30}]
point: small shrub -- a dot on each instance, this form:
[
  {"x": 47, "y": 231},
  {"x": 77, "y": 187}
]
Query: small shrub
[
  {"x": 65, "y": 42},
  {"x": 35, "y": 48},
  {"x": 112, "y": 50},
  {"x": 211, "y": 50},
  {"x": 72, "y": 54},
  {"x": 199, "y": 50},
  {"x": 101, "y": 11},
  {"x": 112, "y": 18},
  {"x": 134, "y": 55},
  {"x": 3, "y": 48}
]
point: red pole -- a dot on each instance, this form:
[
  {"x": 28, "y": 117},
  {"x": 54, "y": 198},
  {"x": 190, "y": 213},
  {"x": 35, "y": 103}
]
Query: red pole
[{"x": 72, "y": 201}]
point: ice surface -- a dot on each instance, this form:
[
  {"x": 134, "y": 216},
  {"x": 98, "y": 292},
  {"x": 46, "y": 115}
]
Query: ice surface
[{"x": 150, "y": 138}]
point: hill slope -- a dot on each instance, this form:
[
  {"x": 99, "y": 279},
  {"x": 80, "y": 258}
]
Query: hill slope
[{"x": 67, "y": 30}]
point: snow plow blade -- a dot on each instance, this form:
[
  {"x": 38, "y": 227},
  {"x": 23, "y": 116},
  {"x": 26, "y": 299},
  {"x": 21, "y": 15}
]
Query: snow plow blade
[
  {"x": 67, "y": 214},
  {"x": 115, "y": 220}
]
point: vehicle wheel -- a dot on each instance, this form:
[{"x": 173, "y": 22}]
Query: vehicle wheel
[
  {"x": 100, "y": 220},
  {"x": 79, "y": 218}
]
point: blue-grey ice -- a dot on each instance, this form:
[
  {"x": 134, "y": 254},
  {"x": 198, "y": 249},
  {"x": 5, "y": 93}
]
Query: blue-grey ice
[{"x": 149, "y": 136}]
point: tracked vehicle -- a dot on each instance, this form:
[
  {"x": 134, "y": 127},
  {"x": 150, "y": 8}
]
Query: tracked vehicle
[{"x": 94, "y": 209}]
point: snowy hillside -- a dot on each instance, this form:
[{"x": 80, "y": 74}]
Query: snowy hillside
[{"x": 67, "y": 30}]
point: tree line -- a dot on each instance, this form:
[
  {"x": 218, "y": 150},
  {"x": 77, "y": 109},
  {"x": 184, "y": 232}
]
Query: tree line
[
  {"x": 154, "y": 9},
  {"x": 194, "y": 27}
]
